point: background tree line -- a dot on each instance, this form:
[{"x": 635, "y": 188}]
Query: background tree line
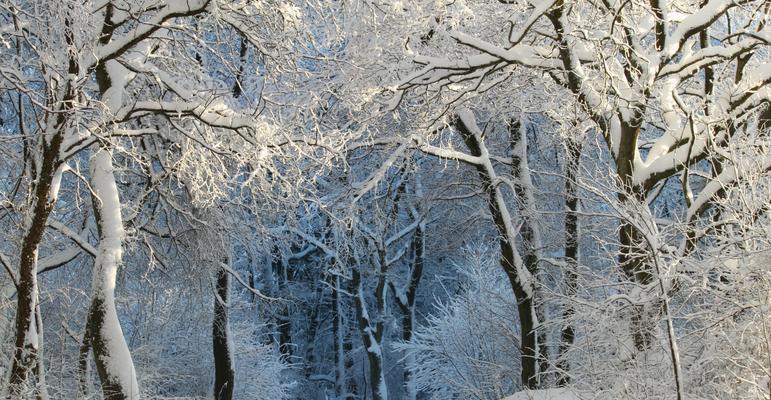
[{"x": 311, "y": 199}]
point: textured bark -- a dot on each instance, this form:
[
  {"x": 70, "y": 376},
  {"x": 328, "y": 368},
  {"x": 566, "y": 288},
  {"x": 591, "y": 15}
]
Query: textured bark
[
  {"x": 45, "y": 190},
  {"x": 567, "y": 336},
  {"x": 224, "y": 374},
  {"x": 83, "y": 381},
  {"x": 26, "y": 341}
]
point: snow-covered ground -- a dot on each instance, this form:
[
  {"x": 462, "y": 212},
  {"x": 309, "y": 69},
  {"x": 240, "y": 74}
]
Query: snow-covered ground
[{"x": 546, "y": 394}]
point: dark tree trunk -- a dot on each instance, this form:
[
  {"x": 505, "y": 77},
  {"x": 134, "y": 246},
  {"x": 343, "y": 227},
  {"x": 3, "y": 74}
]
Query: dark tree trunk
[
  {"x": 372, "y": 335},
  {"x": 406, "y": 303},
  {"x": 26, "y": 347},
  {"x": 284, "y": 324},
  {"x": 567, "y": 336},
  {"x": 338, "y": 332},
  {"x": 224, "y": 375},
  {"x": 633, "y": 252},
  {"x": 531, "y": 241},
  {"x": 313, "y": 326},
  {"x": 26, "y": 344},
  {"x": 353, "y": 388},
  {"x": 525, "y": 303}
]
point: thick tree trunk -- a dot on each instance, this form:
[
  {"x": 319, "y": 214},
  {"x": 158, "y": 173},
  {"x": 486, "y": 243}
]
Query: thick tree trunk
[
  {"x": 27, "y": 341},
  {"x": 633, "y": 252},
  {"x": 111, "y": 353},
  {"x": 625, "y": 149},
  {"x": 83, "y": 373},
  {"x": 567, "y": 336},
  {"x": 637, "y": 269},
  {"x": 224, "y": 375}
]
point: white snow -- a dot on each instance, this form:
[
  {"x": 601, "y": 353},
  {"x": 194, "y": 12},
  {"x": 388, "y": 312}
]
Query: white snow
[
  {"x": 119, "y": 78},
  {"x": 703, "y": 16},
  {"x": 547, "y": 394},
  {"x": 141, "y": 31},
  {"x": 119, "y": 364}
]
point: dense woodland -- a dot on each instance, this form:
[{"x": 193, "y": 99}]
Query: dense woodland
[{"x": 365, "y": 199}]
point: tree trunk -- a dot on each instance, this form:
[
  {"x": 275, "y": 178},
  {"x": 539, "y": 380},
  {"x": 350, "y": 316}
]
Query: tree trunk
[
  {"x": 45, "y": 188},
  {"x": 27, "y": 341},
  {"x": 350, "y": 312},
  {"x": 283, "y": 323},
  {"x": 508, "y": 260},
  {"x": 111, "y": 354},
  {"x": 224, "y": 375},
  {"x": 313, "y": 327},
  {"x": 406, "y": 302},
  {"x": 338, "y": 331},
  {"x": 529, "y": 231},
  {"x": 567, "y": 336},
  {"x": 634, "y": 263},
  {"x": 40, "y": 372},
  {"x": 633, "y": 252},
  {"x": 371, "y": 336}
]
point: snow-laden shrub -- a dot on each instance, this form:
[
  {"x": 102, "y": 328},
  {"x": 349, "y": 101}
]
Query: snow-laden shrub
[
  {"x": 261, "y": 371},
  {"x": 468, "y": 348},
  {"x": 722, "y": 333},
  {"x": 719, "y": 299}
]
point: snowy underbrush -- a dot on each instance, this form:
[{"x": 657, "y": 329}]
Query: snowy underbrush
[
  {"x": 170, "y": 340},
  {"x": 547, "y": 394},
  {"x": 261, "y": 372},
  {"x": 469, "y": 347},
  {"x": 721, "y": 330},
  {"x": 180, "y": 366}
]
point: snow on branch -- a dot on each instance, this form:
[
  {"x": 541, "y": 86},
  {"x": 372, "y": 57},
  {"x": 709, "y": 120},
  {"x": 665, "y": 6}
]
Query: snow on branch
[
  {"x": 79, "y": 239},
  {"x": 143, "y": 30},
  {"x": 694, "y": 23},
  {"x": 731, "y": 176}
]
